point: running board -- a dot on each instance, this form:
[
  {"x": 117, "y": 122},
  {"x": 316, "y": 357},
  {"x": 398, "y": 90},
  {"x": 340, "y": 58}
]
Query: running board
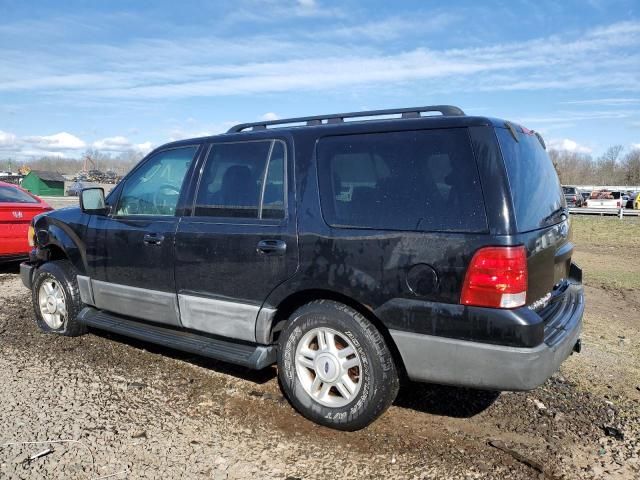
[{"x": 253, "y": 356}]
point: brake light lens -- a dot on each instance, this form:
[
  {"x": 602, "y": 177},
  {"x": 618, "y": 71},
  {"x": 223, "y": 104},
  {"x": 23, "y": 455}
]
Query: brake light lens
[
  {"x": 30, "y": 236},
  {"x": 496, "y": 278}
]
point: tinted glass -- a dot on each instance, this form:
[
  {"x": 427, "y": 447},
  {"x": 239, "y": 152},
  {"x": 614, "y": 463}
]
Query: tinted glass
[
  {"x": 235, "y": 178},
  {"x": 418, "y": 180},
  {"x": 569, "y": 190},
  {"x": 537, "y": 197},
  {"x": 154, "y": 188},
  {"x": 15, "y": 195},
  {"x": 273, "y": 202}
]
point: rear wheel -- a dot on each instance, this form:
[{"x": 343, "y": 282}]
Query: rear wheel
[
  {"x": 56, "y": 299},
  {"x": 335, "y": 367}
]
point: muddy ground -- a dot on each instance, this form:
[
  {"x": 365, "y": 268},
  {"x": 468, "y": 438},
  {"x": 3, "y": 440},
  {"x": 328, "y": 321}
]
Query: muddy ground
[{"x": 134, "y": 410}]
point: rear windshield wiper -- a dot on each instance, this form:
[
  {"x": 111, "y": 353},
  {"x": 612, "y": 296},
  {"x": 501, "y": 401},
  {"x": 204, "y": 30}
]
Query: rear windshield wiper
[{"x": 553, "y": 214}]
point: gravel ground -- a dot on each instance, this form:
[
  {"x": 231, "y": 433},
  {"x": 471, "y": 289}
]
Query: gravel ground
[{"x": 133, "y": 410}]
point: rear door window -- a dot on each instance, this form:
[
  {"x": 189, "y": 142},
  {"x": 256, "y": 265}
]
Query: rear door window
[
  {"x": 423, "y": 180},
  {"x": 538, "y": 199},
  {"x": 243, "y": 180}
]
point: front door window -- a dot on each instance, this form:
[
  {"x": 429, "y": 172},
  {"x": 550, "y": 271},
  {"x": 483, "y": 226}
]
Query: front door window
[{"x": 154, "y": 188}]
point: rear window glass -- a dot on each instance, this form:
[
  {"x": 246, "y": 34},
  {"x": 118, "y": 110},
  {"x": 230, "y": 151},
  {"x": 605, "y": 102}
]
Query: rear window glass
[
  {"x": 15, "y": 195},
  {"x": 569, "y": 190},
  {"x": 537, "y": 197},
  {"x": 418, "y": 180},
  {"x": 605, "y": 195}
]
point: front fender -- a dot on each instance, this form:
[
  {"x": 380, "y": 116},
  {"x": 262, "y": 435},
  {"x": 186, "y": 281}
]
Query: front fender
[{"x": 55, "y": 233}]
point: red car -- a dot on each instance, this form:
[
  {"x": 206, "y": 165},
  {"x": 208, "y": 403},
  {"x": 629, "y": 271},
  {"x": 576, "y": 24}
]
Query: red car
[{"x": 17, "y": 208}]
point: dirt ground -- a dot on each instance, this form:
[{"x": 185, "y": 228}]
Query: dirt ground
[{"x": 119, "y": 408}]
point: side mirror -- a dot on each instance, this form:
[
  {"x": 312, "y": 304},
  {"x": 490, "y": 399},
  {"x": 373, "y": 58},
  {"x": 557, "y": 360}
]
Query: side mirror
[{"x": 92, "y": 201}]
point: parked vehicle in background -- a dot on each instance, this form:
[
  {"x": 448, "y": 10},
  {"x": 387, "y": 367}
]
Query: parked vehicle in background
[
  {"x": 572, "y": 196},
  {"x": 585, "y": 197},
  {"x": 605, "y": 199},
  {"x": 629, "y": 200},
  {"x": 17, "y": 209},
  {"x": 76, "y": 187},
  {"x": 636, "y": 202},
  {"x": 346, "y": 251}
]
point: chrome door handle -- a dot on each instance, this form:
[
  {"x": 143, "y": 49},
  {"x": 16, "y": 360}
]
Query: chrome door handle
[
  {"x": 272, "y": 247},
  {"x": 153, "y": 239}
]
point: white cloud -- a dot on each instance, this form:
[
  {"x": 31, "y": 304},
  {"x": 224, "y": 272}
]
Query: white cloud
[
  {"x": 144, "y": 147},
  {"x": 394, "y": 27},
  {"x": 55, "y": 143},
  {"x": 635, "y": 145},
  {"x": 64, "y": 144},
  {"x": 307, "y": 3},
  {"x": 119, "y": 144},
  {"x": 613, "y": 102},
  {"x": 269, "y": 116},
  {"x": 8, "y": 141},
  {"x": 219, "y": 66},
  {"x": 568, "y": 145}
]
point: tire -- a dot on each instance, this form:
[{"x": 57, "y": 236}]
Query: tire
[
  {"x": 349, "y": 403},
  {"x": 55, "y": 285}
]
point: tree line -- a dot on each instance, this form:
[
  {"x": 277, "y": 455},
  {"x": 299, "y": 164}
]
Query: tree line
[
  {"x": 613, "y": 167},
  {"x": 91, "y": 159}
]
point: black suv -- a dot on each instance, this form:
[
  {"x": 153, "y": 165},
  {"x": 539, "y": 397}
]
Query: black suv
[{"x": 350, "y": 249}]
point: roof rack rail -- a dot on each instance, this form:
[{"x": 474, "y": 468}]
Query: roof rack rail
[{"x": 414, "y": 112}]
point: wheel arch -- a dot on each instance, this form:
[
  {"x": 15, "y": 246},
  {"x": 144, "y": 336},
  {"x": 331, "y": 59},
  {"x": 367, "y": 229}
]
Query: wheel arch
[
  {"x": 57, "y": 241},
  {"x": 296, "y": 300}
]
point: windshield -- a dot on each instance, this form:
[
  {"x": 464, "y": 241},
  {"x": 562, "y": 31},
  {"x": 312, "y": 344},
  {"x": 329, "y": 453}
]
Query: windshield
[
  {"x": 15, "y": 195},
  {"x": 538, "y": 199},
  {"x": 569, "y": 190}
]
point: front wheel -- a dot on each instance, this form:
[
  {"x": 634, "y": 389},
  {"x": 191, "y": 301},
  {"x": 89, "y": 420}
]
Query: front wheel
[
  {"x": 56, "y": 299},
  {"x": 334, "y": 366}
]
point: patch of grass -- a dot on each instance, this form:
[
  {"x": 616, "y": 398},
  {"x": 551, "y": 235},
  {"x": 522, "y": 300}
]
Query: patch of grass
[
  {"x": 606, "y": 231},
  {"x": 612, "y": 278},
  {"x": 608, "y": 250}
]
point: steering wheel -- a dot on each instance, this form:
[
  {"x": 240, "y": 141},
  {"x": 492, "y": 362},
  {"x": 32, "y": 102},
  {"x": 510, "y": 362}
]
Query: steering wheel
[{"x": 166, "y": 196}]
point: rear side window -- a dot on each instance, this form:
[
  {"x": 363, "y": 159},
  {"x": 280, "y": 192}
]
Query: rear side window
[
  {"x": 538, "y": 199},
  {"x": 243, "y": 180},
  {"x": 15, "y": 195},
  {"x": 423, "y": 180}
]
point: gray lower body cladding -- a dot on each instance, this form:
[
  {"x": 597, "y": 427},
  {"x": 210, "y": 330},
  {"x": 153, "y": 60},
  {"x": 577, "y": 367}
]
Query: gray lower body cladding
[{"x": 449, "y": 361}]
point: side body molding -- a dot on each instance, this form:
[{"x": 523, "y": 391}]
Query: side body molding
[
  {"x": 221, "y": 317},
  {"x": 152, "y": 305},
  {"x": 234, "y": 320}
]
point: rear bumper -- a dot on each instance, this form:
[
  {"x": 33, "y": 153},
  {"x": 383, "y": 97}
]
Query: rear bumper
[
  {"x": 449, "y": 361},
  {"x": 26, "y": 274}
]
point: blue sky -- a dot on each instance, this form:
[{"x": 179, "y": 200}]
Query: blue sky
[{"x": 119, "y": 75}]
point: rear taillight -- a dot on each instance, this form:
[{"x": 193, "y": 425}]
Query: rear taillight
[
  {"x": 618, "y": 204},
  {"x": 496, "y": 277}
]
